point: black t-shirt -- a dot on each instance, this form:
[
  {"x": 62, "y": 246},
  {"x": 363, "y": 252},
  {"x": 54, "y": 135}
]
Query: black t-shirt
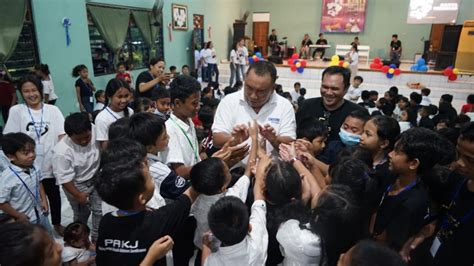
[
  {"x": 125, "y": 240},
  {"x": 307, "y": 42},
  {"x": 330, "y": 154},
  {"x": 145, "y": 77},
  {"x": 384, "y": 178},
  {"x": 401, "y": 216},
  {"x": 273, "y": 39},
  {"x": 458, "y": 249},
  {"x": 86, "y": 87},
  {"x": 322, "y": 42},
  {"x": 314, "y": 108},
  {"x": 395, "y": 45}
]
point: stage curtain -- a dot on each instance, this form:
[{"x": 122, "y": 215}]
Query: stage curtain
[
  {"x": 112, "y": 24},
  {"x": 12, "y": 16},
  {"x": 145, "y": 21}
]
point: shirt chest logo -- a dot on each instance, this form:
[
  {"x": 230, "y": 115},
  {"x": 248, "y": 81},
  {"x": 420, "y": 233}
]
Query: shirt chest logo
[{"x": 274, "y": 120}]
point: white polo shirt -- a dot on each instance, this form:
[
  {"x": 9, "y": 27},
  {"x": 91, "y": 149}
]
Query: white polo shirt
[
  {"x": 104, "y": 119},
  {"x": 183, "y": 146},
  {"x": 277, "y": 112},
  {"x": 72, "y": 162}
]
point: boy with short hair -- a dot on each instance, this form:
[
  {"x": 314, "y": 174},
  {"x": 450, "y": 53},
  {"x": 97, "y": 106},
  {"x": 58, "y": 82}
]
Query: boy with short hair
[
  {"x": 185, "y": 94},
  {"x": 301, "y": 98},
  {"x": 374, "y": 96},
  {"x": 366, "y": 101},
  {"x": 123, "y": 74},
  {"x": 185, "y": 70},
  {"x": 124, "y": 181},
  {"x": 425, "y": 100},
  {"x": 173, "y": 71},
  {"x": 425, "y": 120},
  {"x": 162, "y": 99},
  {"x": 295, "y": 94},
  {"x": 22, "y": 195},
  {"x": 313, "y": 134},
  {"x": 100, "y": 100},
  {"x": 354, "y": 92},
  {"x": 76, "y": 159}
]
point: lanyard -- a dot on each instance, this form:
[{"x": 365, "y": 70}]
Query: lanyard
[
  {"x": 34, "y": 195},
  {"x": 107, "y": 109},
  {"x": 87, "y": 86},
  {"x": 410, "y": 186},
  {"x": 122, "y": 213},
  {"x": 38, "y": 132},
  {"x": 384, "y": 160},
  {"x": 189, "y": 141},
  {"x": 450, "y": 221}
]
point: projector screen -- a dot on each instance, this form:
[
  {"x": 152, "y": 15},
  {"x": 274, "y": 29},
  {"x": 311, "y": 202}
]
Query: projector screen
[{"x": 433, "y": 11}]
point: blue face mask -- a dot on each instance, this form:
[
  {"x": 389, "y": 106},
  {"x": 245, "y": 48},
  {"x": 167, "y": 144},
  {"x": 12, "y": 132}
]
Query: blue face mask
[{"x": 349, "y": 139}]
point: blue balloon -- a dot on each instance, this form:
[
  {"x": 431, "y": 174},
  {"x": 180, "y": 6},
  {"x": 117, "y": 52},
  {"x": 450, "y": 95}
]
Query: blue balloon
[
  {"x": 389, "y": 75},
  {"x": 393, "y": 66},
  {"x": 258, "y": 54},
  {"x": 300, "y": 70},
  {"x": 251, "y": 60},
  {"x": 421, "y": 62},
  {"x": 423, "y": 68},
  {"x": 414, "y": 68}
]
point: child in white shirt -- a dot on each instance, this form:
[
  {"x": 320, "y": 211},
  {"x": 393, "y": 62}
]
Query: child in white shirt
[
  {"x": 354, "y": 91},
  {"x": 78, "y": 249}
]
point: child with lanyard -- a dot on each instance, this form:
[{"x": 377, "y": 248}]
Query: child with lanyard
[
  {"x": 45, "y": 124},
  {"x": 405, "y": 203},
  {"x": 84, "y": 89},
  {"x": 118, "y": 94},
  {"x": 22, "y": 195},
  {"x": 379, "y": 136}
]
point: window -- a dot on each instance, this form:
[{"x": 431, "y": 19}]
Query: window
[
  {"x": 135, "y": 52},
  {"x": 25, "y": 55}
]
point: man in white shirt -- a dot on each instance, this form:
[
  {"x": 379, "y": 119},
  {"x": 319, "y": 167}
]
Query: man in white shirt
[
  {"x": 257, "y": 101},
  {"x": 76, "y": 159},
  {"x": 354, "y": 91}
]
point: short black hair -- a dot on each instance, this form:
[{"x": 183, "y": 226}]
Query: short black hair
[
  {"x": 121, "y": 64},
  {"x": 172, "y": 68},
  {"x": 321, "y": 34},
  {"x": 184, "y": 66},
  {"x": 337, "y": 70},
  {"x": 365, "y": 95},
  {"x": 425, "y": 91},
  {"x": 145, "y": 128},
  {"x": 362, "y": 114},
  {"x": 14, "y": 142},
  {"x": 98, "y": 94},
  {"x": 32, "y": 79},
  {"x": 160, "y": 93},
  {"x": 262, "y": 68},
  {"x": 394, "y": 89},
  {"x": 373, "y": 93},
  {"x": 302, "y": 91},
  {"x": 424, "y": 145},
  {"x": 311, "y": 128},
  {"x": 77, "y": 69},
  {"x": 282, "y": 184},
  {"x": 142, "y": 104},
  {"x": 387, "y": 129},
  {"x": 44, "y": 68},
  {"x": 395, "y": 35},
  {"x": 467, "y": 132},
  {"x": 120, "y": 178},
  {"x": 404, "y": 99},
  {"x": 206, "y": 116},
  {"x": 153, "y": 61},
  {"x": 119, "y": 128},
  {"x": 23, "y": 243},
  {"x": 416, "y": 97},
  {"x": 447, "y": 98},
  {"x": 182, "y": 87},
  {"x": 297, "y": 83},
  {"x": 470, "y": 98},
  {"x": 207, "y": 176},
  {"x": 461, "y": 119},
  {"x": 229, "y": 220},
  {"x": 372, "y": 253},
  {"x": 77, "y": 123},
  {"x": 76, "y": 231},
  {"x": 359, "y": 78}
]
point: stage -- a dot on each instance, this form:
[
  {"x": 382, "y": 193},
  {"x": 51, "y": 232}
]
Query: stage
[{"x": 373, "y": 80}]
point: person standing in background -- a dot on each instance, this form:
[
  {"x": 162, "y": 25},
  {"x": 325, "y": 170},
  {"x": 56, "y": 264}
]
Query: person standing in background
[
  {"x": 395, "y": 49},
  {"x": 7, "y": 94},
  {"x": 42, "y": 71},
  {"x": 243, "y": 56},
  {"x": 353, "y": 56}
]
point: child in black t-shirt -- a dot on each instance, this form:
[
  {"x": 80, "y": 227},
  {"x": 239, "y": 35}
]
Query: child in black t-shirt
[
  {"x": 124, "y": 181},
  {"x": 84, "y": 88},
  {"x": 405, "y": 203}
]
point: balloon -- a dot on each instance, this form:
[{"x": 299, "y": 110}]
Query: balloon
[
  {"x": 391, "y": 71},
  {"x": 298, "y": 65},
  {"x": 448, "y": 72},
  {"x": 455, "y": 71},
  {"x": 453, "y": 77},
  {"x": 251, "y": 61},
  {"x": 293, "y": 68},
  {"x": 345, "y": 64},
  {"x": 294, "y": 56},
  {"x": 303, "y": 63},
  {"x": 397, "y": 71},
  {"x": 450, "y": 67},
  {"x": 372, "y": 66},
  {"x": 393, "y": 66},
  {"x": 258, "y": 54},
  {"x": 300, "y": 70},
  {"x": 389, "y": 75},
  {"x": 341, "y": 63},
  {"x": 385, "y": 69},
  {"x": 414, "y": 68},
  {"x": 423, "y": 68},
  {"x": 377, "y": 60},
  {"x": 290, "y": 62},
  {"x": 335, "y": 58},
  {"x": 421, "y": 62}
]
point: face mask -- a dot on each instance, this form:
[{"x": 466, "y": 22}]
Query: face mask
[{"x": 349, "y": 139}]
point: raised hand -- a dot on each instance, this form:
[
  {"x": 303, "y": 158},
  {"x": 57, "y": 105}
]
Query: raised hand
[{"x": 240, "y": 133}]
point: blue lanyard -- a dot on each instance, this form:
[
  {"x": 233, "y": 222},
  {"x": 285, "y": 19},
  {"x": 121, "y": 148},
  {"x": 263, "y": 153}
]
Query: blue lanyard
[
  {"x": 446, "y": 224},
  {"x": 123, "y": 213},
  {"x": 38, "y": 132},
  {"x": 410, "y": 186},
  {"x": 107, "y": 109},
  {"x": 87, "y": 86},
  {"x": 36, "y": 194},
  {"x": 187, "y": 138}
]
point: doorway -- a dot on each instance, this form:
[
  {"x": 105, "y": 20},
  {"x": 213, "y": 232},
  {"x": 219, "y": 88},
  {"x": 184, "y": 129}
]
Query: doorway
[{"x": 261, "y": 28}]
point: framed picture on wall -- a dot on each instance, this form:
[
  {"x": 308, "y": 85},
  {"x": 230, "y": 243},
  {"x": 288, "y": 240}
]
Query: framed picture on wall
[
  {"x": 343, "y": 16},
  {"x": 180, "y": 17}
]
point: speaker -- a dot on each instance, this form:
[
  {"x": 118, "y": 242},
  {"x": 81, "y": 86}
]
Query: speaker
[
  {"x": 451, "y": 38},
  {"x": 444, "y": 59},
  {"x": 275, "y": 59}
]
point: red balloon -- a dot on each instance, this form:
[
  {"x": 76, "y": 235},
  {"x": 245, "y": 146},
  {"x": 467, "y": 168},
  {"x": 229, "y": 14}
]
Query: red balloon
[
  {"x": 341, "y": 63},
  {"x": 303, "y": 63},
  {"x": 256, "y": 59},
  {"x": 290, "y": 62},
  {"x": 294, "y": 56},
  {"x": 397, "y": 71},
  {"x": 379, "y": 65},
  {"x": 377, "y": 60},
  {"x": 372, "y": 66},
  {"x": 293, "y": 68},
  {"x": 448, "y": 72},
  {"x": 385, "y": 69},
  {"x": 453, "y": 77}
]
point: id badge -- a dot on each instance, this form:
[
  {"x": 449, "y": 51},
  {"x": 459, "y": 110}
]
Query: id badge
[
  {"x": 91, "y": 99},
  {"x": 39, "y": 149},
  {"x": 434, "y": 248}
]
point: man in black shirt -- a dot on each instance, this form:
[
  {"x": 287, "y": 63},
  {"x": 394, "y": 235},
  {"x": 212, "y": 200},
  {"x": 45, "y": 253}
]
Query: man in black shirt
[
  {"x": 151, "y": 79},
  {"x": 273, "y": 43},
  {"x": 395, "y": 49},
  {"x": 320, "y": 41},
  {"x": 331, "y": 108}
]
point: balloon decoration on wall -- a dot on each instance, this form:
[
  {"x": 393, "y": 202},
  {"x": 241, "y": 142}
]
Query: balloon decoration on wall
[
  {"x": 377, "y": 64},
  {"x": 420, "y": 66},
  {"x": 391, "y": 70},
  {"x": 296, "y": 64},
  {"x": 335, "y": 61},
  {"x": 451, "y": 73},
  {"x": 66, "y": 24},
  {"x": 256, "y": 57}
]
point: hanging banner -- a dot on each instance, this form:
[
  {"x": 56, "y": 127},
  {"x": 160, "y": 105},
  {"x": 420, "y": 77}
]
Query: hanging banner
[{"x": 343, "y": 16}]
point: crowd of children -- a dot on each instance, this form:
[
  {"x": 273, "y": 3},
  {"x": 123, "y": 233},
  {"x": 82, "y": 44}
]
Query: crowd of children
[{"x": 394, "y": 187}]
